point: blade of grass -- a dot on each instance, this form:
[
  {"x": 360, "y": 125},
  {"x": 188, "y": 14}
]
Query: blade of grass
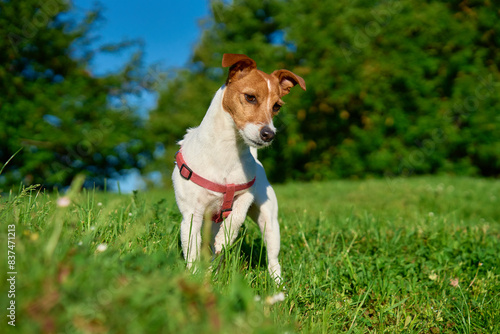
[
  {"x": 12, "y": 157},
  {"x": 359, "y": 308}
]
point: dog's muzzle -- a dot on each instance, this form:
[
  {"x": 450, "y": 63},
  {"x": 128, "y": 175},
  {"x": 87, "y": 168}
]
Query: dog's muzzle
[{"x": 266, "y": 134}]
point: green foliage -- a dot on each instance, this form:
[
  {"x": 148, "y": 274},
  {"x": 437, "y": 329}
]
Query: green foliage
[
  {"x": 415, "y": 255},
  {"x": 66, "y": 120},
  {"x": 394, "y": 87}
]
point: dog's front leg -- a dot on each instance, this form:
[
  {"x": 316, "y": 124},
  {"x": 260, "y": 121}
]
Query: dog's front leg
[
  {"x": 264, "y": 212},
  {"x": 191, "y": 236},
  {"x": 228, "y": 230}
]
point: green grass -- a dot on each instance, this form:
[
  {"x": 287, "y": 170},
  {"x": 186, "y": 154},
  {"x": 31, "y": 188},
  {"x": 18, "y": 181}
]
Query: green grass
[{"x": 376, "y": 256}]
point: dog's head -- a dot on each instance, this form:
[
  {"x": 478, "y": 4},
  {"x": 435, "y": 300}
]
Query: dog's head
[{"x": 253, "y": 97}]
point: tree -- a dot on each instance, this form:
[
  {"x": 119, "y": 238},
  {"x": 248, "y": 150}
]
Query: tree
[
  {"x": 394, "y": 87},
  {"x": 66, "y": 120}
]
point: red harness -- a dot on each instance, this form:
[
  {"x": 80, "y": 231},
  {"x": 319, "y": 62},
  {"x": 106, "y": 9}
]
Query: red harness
[{"x": 228, "y": 190}]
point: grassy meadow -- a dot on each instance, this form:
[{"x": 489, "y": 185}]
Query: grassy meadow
[{"x": 407, "y": 255}]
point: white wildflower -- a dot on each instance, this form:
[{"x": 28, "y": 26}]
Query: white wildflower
[
  {"x": 279, "y": 297},
  {"x": 63, "y": 202},
  {"x": 101, "y": 248}
]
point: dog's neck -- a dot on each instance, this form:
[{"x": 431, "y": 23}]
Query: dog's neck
[
  {"x": 217, "y": 127},
  {"x": 216, "y": 146}
]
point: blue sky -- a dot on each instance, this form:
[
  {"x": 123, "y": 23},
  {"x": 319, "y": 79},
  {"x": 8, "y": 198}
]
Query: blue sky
[{"x": 169, "y": 29}]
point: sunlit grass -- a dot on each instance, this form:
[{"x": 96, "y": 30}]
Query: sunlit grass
[{"x": 403, "y": 255}]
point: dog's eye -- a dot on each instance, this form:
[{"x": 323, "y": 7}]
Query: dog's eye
[
  {"x": 276, "y": 107},
  {"x": 251, "y": 99}
]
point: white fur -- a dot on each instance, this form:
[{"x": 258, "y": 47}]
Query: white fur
[
  {"x": 215, "y": 150},
  {"x": 269, "y": 102},
  {"x": 251, "y": 134}
]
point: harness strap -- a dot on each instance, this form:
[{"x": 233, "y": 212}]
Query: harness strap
[
  {"x": 227, "y": 204},
  {"x": 228, "y": 190}
]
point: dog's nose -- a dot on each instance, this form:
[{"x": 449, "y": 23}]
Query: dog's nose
[{"x": 267, "y": 134}]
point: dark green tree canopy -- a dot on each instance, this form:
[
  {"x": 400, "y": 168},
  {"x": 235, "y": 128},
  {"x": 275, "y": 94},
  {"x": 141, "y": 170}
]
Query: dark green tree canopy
[
  {"x": 394, "y": 88},
  {"x": 65, "y": 119}
]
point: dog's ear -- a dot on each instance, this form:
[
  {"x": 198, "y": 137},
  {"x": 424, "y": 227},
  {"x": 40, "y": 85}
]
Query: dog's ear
[
  {"x": 288, "y": 79},
  {"x": 240, "y": 65}
]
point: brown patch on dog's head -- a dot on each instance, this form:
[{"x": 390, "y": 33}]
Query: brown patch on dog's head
[
  {"x": 287, "y": 80},
  {"x": 252, "y": 96}
]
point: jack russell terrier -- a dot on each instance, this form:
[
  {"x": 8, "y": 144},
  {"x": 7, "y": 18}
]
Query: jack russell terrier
[{"x": 217, "y": 173}]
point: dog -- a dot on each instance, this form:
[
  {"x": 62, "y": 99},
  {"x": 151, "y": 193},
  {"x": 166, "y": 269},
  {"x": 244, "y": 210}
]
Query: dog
[{"x": 217, "y": 173}]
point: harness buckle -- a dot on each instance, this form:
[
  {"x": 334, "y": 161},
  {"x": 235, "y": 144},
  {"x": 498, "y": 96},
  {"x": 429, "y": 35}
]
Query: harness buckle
[{"x": 190, "y": 172}]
